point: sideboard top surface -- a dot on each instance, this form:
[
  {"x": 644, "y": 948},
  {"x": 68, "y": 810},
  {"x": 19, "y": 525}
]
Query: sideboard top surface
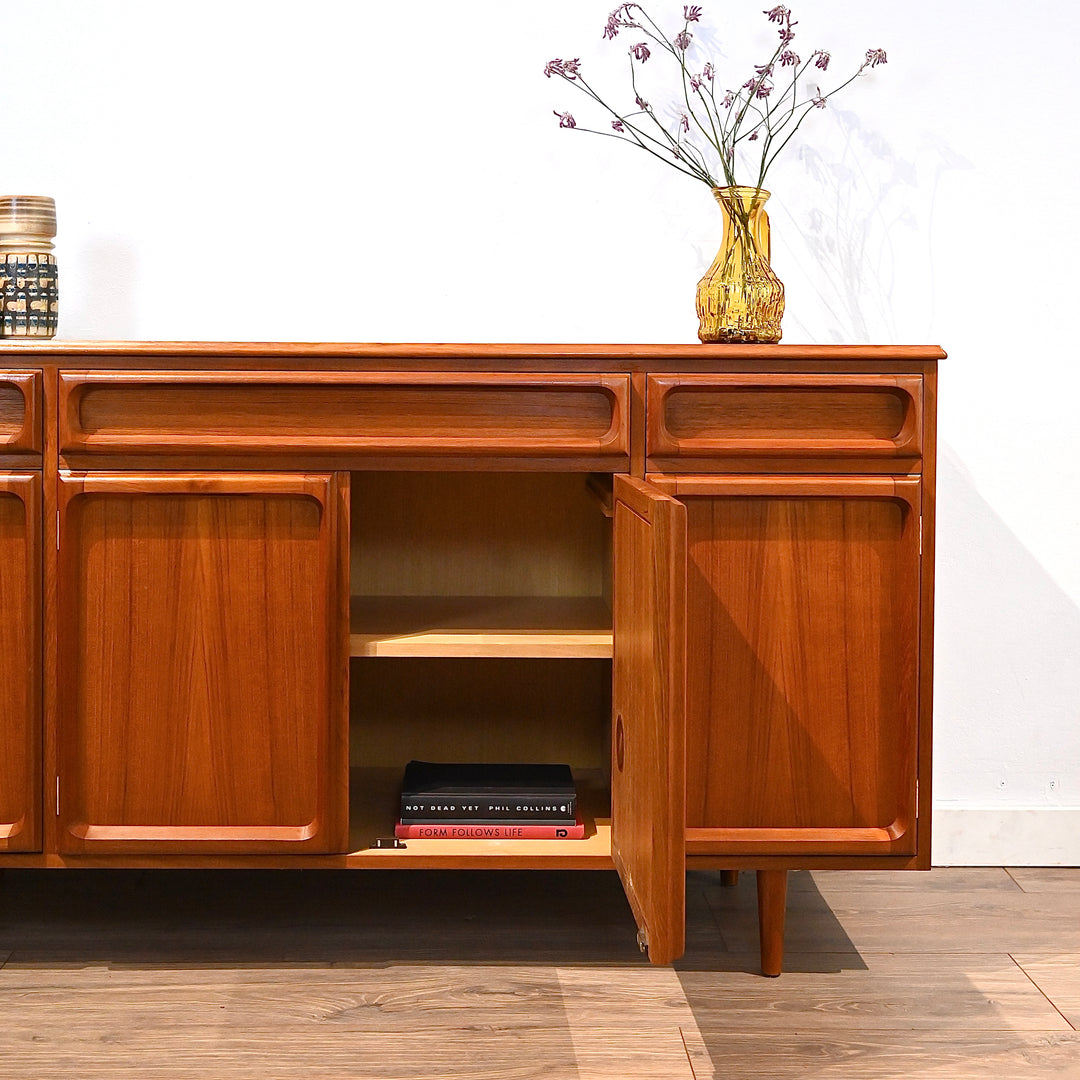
[{"x": 449, "y": 356}]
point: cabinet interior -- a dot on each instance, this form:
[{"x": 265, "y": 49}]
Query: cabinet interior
[{"x": 480, "y": 631}]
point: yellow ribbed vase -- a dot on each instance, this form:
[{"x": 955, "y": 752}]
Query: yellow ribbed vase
[{"x": 740, "y": 299}]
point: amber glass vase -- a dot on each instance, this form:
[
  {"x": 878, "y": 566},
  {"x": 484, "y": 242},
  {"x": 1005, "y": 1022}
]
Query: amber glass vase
[{"x": 740, "y": 299}]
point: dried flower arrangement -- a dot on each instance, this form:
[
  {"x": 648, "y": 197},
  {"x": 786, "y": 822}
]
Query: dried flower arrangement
[{"x": 712, "y": 130}]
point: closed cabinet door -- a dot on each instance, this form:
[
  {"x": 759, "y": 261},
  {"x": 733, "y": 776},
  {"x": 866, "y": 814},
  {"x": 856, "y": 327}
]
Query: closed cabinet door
[
  {"x": 20, "y": 661},
  {"x": 803, "y": 643},
  {"x": 203, "y": 663}
]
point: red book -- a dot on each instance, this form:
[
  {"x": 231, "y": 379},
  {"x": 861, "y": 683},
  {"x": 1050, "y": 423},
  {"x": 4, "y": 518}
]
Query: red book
[{"x": 503, "y": 831}]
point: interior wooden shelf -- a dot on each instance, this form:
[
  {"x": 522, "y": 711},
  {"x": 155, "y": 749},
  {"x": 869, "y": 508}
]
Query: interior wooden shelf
[
  {"x": 373, "y": 808},
  {"x": 518, "y": 626}
]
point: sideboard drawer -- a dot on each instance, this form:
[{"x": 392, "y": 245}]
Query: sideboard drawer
[
  {"x": 20, "y": 403},
  {"x": 444, "y": 414},
  {"x": 797, "y": 422}
]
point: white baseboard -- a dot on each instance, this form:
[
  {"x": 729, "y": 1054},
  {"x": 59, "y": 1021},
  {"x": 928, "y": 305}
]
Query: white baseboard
[{"x": 1006, "y": 836}]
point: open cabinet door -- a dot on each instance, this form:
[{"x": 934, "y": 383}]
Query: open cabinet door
[{"x": 648, "y": 703}]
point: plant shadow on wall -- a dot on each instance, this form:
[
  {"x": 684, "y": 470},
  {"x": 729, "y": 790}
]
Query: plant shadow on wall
[
  {"x": 858, "y": 235},
  {"x": 698, "y": 117}
]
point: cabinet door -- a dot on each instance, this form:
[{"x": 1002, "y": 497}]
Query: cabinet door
[
  {"x": 20, "y": 661},
  {"x": 647, "y": 766},
  {"x": 203, "y": 627},
  {"x": 803, "y": 648}
]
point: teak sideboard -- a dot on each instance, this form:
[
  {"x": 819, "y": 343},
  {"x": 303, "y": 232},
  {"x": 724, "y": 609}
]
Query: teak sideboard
[{"x": 244, "y": 584}]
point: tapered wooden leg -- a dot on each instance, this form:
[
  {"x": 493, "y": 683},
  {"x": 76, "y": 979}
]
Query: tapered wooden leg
[
  {"x": 729, "y": 878},
  {"x": 772, "y": 906}
]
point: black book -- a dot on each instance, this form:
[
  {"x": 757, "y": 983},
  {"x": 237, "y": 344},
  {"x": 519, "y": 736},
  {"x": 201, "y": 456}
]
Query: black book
[{"x": 477, "y": 794}]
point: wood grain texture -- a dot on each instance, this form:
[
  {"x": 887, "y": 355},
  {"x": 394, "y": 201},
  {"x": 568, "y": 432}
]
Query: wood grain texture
[
  {"x": 417, "y": 354},
  {"x": 20, "y": 662},
  {"x": 203, "y": 664},
  {"x": 648, "y": 708},
  {"x": 480, "y": 626},
  {"x": 902, "y": 992},
  {"x": 1045, "y": 878},
  {"x": 828, "y": 423},
  {"x": 772, "y": 911},
  {"x": 437, "y": 974},
  {"x": 570, "y": 416},
  {"x": 435, "y": 534},
  {"x": 439, "y": 410},
  {"x": 20, "y": 414},
  {"x": 889, "y": 1055},
  {"x": 861, "y": 912},
  {"x": 803, "y": 673},
  {"x": 1057, "y": 975},
  {"x": 481, "y": 709}
]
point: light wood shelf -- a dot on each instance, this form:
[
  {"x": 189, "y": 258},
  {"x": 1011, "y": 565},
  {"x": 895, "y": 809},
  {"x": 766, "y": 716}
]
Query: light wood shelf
[
  {"x": 373, "y": 809},
  {"x": 495, "y": 626}
]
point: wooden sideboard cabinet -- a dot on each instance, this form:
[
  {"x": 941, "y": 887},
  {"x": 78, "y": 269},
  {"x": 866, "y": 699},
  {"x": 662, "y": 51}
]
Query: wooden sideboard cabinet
[{"x": 244, "y": 584}]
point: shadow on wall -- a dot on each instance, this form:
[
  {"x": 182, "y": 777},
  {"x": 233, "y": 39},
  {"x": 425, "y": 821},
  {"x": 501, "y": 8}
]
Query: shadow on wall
[
  {"x": 1007, "y": 681},
  {"x": 855, "y": 234}
]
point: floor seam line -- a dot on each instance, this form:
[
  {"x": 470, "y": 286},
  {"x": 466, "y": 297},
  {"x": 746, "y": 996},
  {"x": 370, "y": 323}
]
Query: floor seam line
[{"x": 1049, "y": 1001}]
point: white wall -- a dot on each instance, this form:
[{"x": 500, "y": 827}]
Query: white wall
[{"x": 393, "y": 171}]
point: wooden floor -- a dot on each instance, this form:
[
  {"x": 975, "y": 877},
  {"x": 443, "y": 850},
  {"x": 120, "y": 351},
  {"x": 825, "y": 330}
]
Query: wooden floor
[{"x": 128, "y": 974}]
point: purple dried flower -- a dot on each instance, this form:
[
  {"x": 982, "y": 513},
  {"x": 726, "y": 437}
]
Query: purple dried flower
[
  {"x": 684, "y": 122},
  {"x": 786, "y": 35},
  {"x": 778, "y": 13},
  {"x": 764, "y": 69},
  {"x": 749, "y": 84},
  {"x": 695, "y": 82},
  {"x": 568, "y": 69},
  {"x": 640, "y": 52},
  {"x": 707, "y": 72},
  {"x": 682, "y": 40},
  {"x": 819, "y": 101},
  {"x": 822, "y": 60},
  {"x": 875, "y": 57},
  {"x": 641, "y": 102},
  {"x": 566, "y": 120},
  {"x": 789, "y": 59},
  {"x": 619, "y": 18},
  {"x": 753, "y": 136},
  {"x": 617, "y": 125},
  {"x": 763, "y": 91},
  {"x": 729, "y": 97},
  {"x": 691, "y": 13}
]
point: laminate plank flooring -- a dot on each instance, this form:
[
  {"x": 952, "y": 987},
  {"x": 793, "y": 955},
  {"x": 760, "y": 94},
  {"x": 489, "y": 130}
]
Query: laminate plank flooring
[
  {"x": 513, "y": 976},
  {"x": 1058, "y": 977},
  {"x": 1046, "y": 878}
]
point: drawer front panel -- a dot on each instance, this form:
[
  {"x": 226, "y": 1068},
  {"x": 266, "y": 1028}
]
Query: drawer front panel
[
  {"x": 435, "y": 414},
  {"x": 854, "y": 423},
  {"x": 20, "y": 403}
]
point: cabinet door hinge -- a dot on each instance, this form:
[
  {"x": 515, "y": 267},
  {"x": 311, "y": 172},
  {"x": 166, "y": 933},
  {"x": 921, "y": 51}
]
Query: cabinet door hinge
[{"x": 643, "y": 940}]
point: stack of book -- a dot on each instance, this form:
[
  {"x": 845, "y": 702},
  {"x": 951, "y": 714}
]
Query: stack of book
[{"x": 452, "y": 801}]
